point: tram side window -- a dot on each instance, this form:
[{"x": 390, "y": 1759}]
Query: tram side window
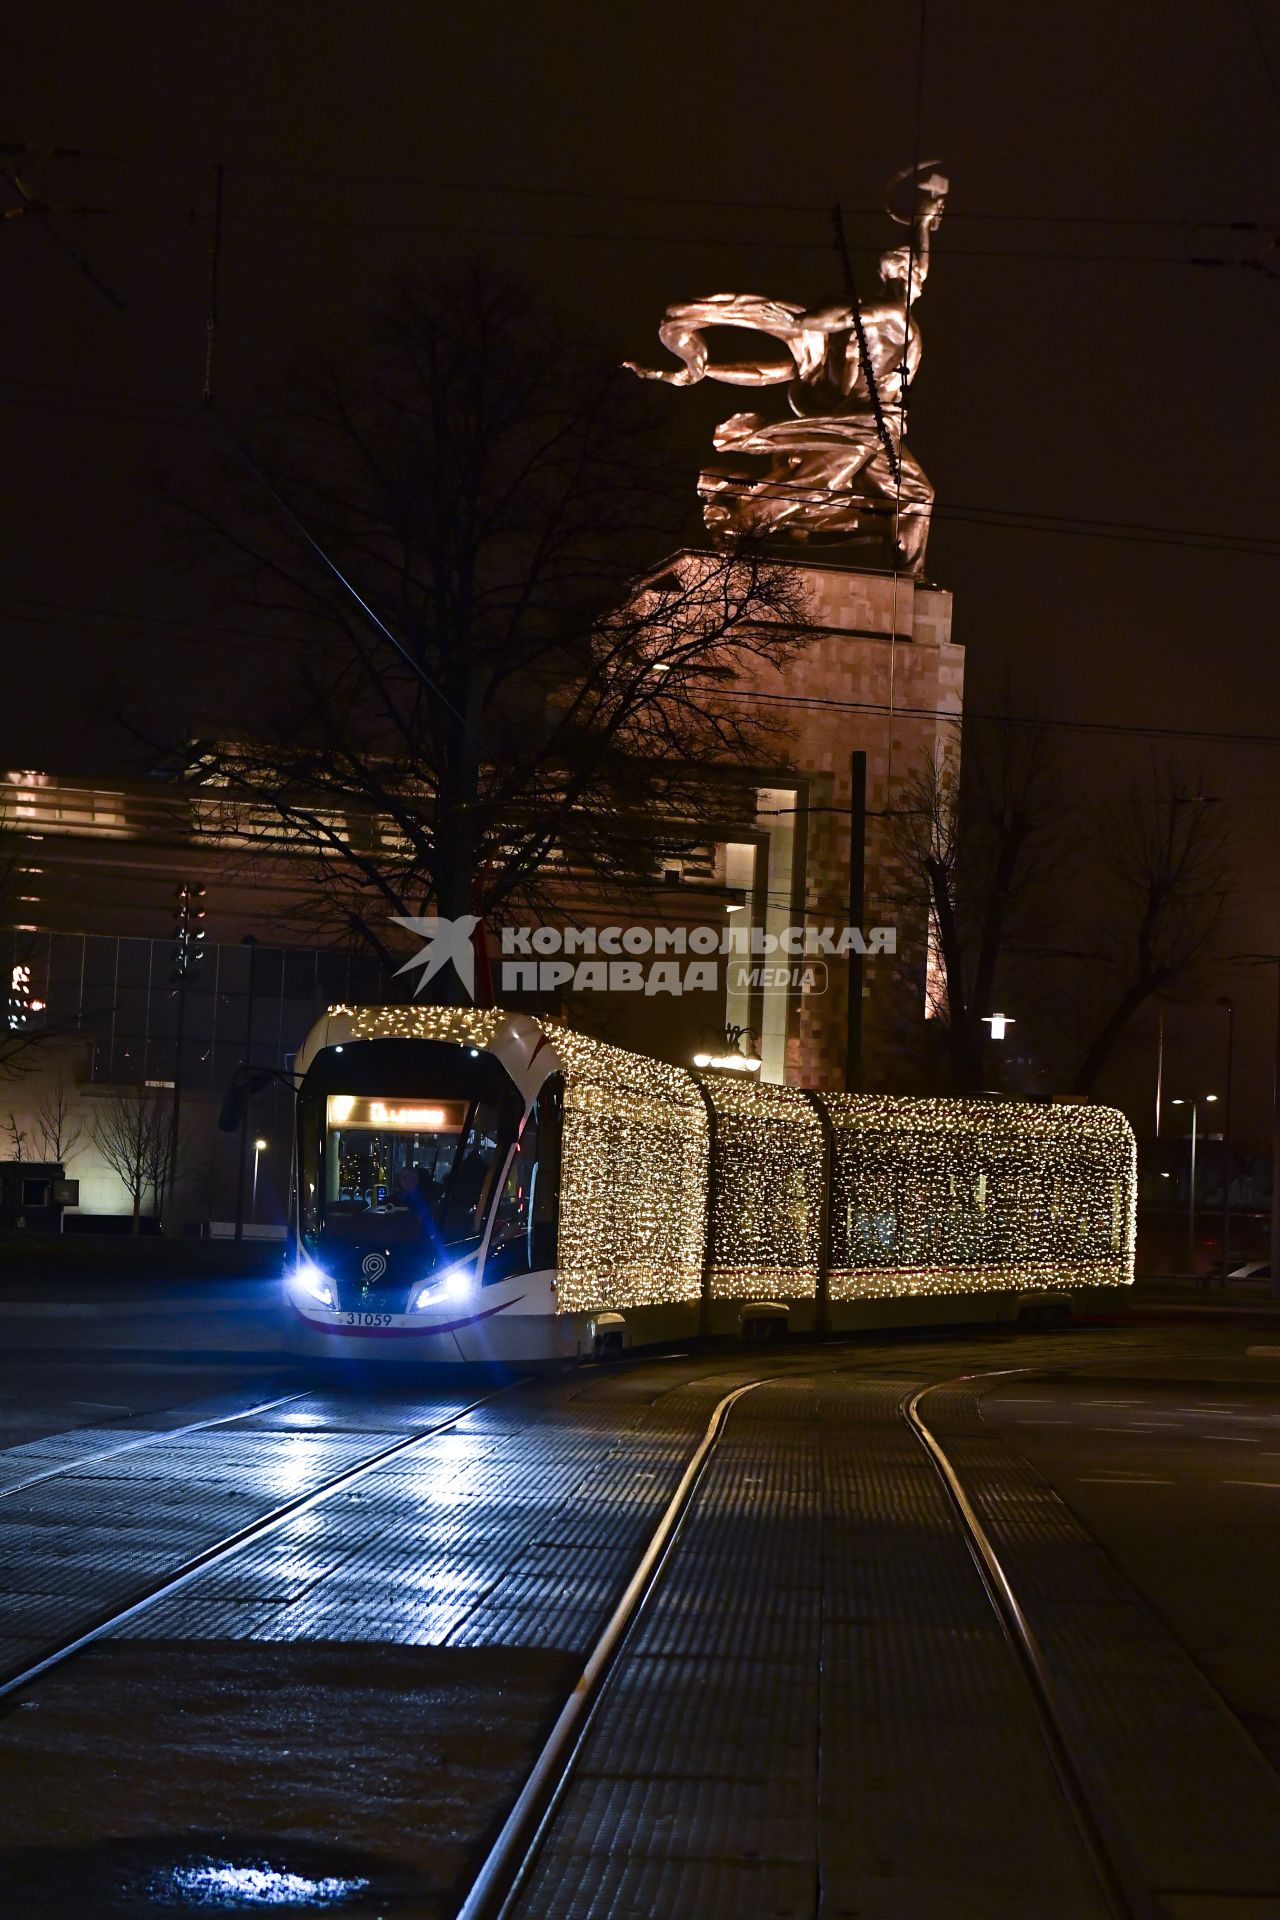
[
  {"x": 524, "y": 1220},
  {"x": 472, "y": 1180}
]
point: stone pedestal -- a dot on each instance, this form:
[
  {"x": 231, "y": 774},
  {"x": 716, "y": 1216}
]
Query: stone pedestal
[{"x": 882, "y": 675}]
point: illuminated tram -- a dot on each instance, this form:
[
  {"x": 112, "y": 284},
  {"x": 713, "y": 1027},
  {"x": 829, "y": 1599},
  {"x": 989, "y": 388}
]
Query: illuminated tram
[{"x": 476, "y": 1185}]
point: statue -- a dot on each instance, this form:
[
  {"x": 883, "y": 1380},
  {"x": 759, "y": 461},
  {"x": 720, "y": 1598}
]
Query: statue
[{"x": 838, "y": 469}]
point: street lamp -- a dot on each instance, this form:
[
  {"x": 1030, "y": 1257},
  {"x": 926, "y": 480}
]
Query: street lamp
[
  {"x": 999, "y": 1024},
  {"x": 734, "y": 1050},
  {"x": 259, "y": 1148},
  {"x": 1194, "y": 1104}
]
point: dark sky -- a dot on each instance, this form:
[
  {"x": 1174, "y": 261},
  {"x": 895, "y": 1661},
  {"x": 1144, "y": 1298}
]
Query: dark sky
[{"x": 1076, "y": 363}]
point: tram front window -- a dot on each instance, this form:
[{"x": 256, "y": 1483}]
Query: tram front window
[{"x": 406, "y": 1168}]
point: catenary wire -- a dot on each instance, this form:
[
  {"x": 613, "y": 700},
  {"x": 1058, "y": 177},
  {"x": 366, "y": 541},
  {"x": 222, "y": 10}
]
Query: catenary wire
[
  {"x": 1131, "y": 728},
  {"x": 525, "y": 189},
  {"x": 614, "y": 236}
]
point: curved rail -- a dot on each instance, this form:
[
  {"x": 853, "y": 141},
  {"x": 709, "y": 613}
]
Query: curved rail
[
  {"x": 512, "y": 1853},
  {"x": 232, "y": 1543},
  {"x": 1126, "y": 1898}
]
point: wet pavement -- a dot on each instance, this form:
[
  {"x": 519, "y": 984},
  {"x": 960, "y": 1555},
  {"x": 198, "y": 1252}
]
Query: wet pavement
[{"x": 817, "y": 1711}]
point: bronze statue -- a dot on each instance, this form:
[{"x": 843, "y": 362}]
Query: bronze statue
[{"x": 835, "y": 471}]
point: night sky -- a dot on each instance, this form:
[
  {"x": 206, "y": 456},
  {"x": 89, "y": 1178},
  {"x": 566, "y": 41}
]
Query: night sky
[{"x": 1076, "y": 363}]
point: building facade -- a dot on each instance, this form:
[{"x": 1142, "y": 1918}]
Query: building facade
[{"x": 97, "y": 875}]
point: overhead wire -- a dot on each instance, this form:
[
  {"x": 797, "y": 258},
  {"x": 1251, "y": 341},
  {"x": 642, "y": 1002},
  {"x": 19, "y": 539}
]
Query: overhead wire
[
  {"x": 40, "y": 214},
  {"x": 100, "y": 619},
  {"x": 526, "y": 189},
  {"x": 615, "y": 236}
]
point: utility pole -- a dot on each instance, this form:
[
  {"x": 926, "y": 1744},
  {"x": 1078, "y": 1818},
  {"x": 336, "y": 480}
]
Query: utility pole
[
  {"x": 857, "y": 910},
  {"x": 1227, "y": 1002}
]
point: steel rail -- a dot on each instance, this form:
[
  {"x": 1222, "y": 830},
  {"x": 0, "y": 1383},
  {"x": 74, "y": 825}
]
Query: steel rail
[
  {"x": 232, "y": 1543},
  {"x": 518, "y": 1843},
  {"x": 1126, "y": 1894},
  {"x": 149, "y": 1440}
]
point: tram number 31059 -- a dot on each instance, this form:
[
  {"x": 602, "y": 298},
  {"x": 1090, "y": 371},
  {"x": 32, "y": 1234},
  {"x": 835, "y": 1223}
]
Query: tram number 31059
[{"x": 366, "y": 1319}]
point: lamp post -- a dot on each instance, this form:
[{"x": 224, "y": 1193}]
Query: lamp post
[
  {"x": 999, "y": 1024},
  {"x": 1194, "y": 1104},
  {"x": 259, "y": 1148}
]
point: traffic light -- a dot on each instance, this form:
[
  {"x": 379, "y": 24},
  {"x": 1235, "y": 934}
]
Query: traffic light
[{"x": 189, "y": 932}]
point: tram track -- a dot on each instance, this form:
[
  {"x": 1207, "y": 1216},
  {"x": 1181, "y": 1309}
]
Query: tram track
[
  {"x": 174, "y": 1579},
  {"x": 1117, "y": 1854},
  {"x": 503, "y": 1877},
  {"x": 505, "y": 1866},
  {"x": 928, "y": 1416},
  {"x": 1095, "y": 1819},
  {"x": 1177, "y": 1805},
  {"x": 159, "y": 1437}
]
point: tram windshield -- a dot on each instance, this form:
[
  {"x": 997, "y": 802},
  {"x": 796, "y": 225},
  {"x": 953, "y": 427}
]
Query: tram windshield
[{"x": 401, "y": 1166}]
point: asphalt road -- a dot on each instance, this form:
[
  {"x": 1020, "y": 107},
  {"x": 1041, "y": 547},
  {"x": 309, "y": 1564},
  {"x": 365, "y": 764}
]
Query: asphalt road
[
  {"x": 817, "y": 1712},
  {"x": 1173, "y": 1464}
]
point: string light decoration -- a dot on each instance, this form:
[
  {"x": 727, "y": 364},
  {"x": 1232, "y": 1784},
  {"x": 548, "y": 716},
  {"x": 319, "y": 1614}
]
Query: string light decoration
[
  {"x": 634, "y": 1179},
  {"x": 634, "y": 1160},
  {"x": 768, "y": 1191},
  {"x": 965, "y": 1196},
  {"x": 466, "y": 1026},
  {"x": 926, "y": 1196}
]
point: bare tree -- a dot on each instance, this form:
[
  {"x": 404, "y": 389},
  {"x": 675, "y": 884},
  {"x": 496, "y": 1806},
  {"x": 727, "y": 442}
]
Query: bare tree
[
  {"x": 58, "y": 1131},
  {"x": 501, "y": 678},
  {"x": 133, "y": 1135},
  {"x": 1165, "y": 870},
  {"x": 17, "y": 1136},
  {"x": 973, "y": 840}
]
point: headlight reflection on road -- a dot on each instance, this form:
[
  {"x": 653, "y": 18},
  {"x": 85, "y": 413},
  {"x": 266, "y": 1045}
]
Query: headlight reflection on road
[
  {"x": 293, "y": 1466},
  {"x": 218, "y": 1884}
]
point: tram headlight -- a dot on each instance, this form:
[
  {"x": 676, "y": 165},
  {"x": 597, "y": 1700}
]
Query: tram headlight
[
  {"x": 311, "y": 1280},
  {"x": 454, "y": 1284}
]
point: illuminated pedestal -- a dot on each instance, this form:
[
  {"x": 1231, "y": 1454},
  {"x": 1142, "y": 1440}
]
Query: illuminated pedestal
[{"x": 882, "y": 676}]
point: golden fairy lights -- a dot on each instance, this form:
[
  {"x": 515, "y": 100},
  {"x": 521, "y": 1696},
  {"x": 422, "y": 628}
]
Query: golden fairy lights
[
  {"x": 963, "y": 1196},
  {"x": 633, "y": 1183},
  {"x": 921, "y": 1196},
  {"x": 468, "y": 1026},
  {"x": 767, "y": 1191}
]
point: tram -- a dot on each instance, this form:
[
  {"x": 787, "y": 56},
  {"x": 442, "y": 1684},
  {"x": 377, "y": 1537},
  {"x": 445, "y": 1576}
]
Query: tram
[{"x": 474, "y": 1185}]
